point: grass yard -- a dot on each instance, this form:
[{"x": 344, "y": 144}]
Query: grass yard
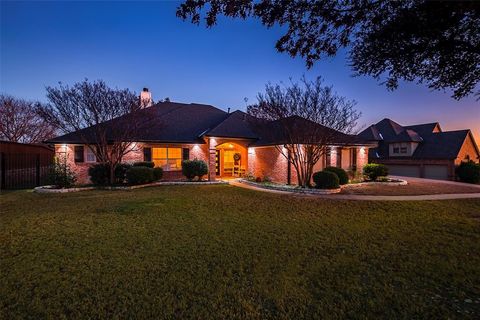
[{"x": 223, "y": 252}]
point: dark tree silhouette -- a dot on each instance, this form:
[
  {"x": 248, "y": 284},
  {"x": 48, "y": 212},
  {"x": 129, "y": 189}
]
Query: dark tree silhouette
[
  {"x": 309, "y": 117},
  {"x": 98, "y": 114},
  {"x": 431, "y": 42},
  {"x": 19, "y": 121}
]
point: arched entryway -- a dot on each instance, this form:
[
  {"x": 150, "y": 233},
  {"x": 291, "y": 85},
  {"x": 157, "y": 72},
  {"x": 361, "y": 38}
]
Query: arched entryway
[{"x": 230, "y": 160}]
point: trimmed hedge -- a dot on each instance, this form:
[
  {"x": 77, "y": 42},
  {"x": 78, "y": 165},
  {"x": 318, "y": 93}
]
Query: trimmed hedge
[
  {"x": 148, "y": 164},
  {"x": 157, "y": 173},
  {"x": 468, "y": 172},
  {"x": 100, "y": 173},
  {"x": 194, "y": 168},
  {"x": 375, "y": 170},
  {"x": 139, "y": 175},
  {"x": 341, "y": 174},
  {"x": 326, "y": 180}
]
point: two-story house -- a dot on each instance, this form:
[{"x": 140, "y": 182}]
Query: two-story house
[{"x": 422, "y": 150}]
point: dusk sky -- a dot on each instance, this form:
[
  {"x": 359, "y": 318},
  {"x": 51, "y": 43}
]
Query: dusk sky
[{"x": 143, "y": 44}]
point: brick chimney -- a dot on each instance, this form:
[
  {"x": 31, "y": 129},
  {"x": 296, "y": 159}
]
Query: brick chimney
[{"x": 145, "y": 98}]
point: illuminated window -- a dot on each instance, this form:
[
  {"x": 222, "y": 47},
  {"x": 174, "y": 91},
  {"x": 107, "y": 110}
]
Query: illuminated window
[
  {"x": 170, "y": 159},
  {"x": 90, "y": 156}
]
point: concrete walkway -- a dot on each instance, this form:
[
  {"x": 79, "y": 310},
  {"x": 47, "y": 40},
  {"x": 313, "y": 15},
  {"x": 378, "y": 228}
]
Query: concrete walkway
[{"x": 451, "y": 196}]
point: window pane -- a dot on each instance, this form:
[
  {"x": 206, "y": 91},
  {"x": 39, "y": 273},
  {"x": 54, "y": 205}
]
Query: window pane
[
  {"x": 174, "y": 153},
  {"x": 159, "y": 153},
  {"x": 160, "y": 163},
  {"x": 174, "y": 164},
  {"x": 78, "y": 153},
  {"x": 91, "y": 156}
]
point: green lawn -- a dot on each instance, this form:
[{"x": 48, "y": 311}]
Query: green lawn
[{"x": 222, "y": 252}]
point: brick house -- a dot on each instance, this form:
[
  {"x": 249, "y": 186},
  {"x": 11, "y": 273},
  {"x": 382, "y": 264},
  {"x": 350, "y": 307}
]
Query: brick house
[
  {"x": 226, "y": 141},
  {"x": 422, "y": 150}
]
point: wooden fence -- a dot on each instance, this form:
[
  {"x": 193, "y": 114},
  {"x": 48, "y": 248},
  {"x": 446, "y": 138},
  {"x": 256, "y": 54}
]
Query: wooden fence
[{"x": 24, "y": 166}]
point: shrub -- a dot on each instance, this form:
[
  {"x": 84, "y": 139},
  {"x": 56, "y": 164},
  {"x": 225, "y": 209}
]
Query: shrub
[
  {"x": 326, "y": 180},
  {"x": 468, "y": 172},
  {"x": 121, "y": 172},
  {"x": 374, "y": 170},
  {"x": 157, "y": 173},
  {"x": 139, "y": 175},
  {"x": 341, "y": 174},
  {"x": 100, "y": 173},
  {"x": 249, "y": 176},
  {"x": 194, "y": 168},
  {"x": 148, "y": 164},
  {"x": 258, "y": 179},
  {"x": 62, "y": 175}
]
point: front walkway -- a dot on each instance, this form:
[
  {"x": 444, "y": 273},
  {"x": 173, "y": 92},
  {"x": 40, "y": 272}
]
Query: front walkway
[{"x": 369, "y": 197}]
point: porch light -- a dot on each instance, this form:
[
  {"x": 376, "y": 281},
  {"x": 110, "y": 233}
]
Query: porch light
[{"x": 251, "y": 151}]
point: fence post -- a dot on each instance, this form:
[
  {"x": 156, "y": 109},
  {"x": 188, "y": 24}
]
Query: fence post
[
  {"x": 37, "y": 170},
  {"x": 2, "y": 170}
]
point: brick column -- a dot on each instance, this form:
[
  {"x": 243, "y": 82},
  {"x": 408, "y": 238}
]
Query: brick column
[{"x": 211, "y": 159}]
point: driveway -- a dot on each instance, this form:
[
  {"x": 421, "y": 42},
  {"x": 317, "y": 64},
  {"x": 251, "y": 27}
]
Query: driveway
[{"x": 417, "y": 189}]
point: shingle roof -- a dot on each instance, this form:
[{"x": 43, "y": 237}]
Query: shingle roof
[
  {"x": 371, "y": 133},
  {"x": 431, "y": 145},
  {"x": 389, "y": 131},
  {"x": 236, "y": 125},
  {"x": 274, "y": 133},
  {"x": 423, "y": 129},
  {"x": 441, "y": 145},
  {"x": 172, "y": 122}
]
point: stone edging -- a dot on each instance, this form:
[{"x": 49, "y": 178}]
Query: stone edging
[
  {"x": 293, "y": 190},
  {"x": 400, "y": 182},
  {"x": 50, "y": 189}
]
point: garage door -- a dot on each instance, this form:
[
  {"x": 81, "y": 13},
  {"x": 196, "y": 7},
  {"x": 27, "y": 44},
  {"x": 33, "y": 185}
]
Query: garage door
[
  {"x": 436, "y": 172},
  {"x": 406, "y": 171}
]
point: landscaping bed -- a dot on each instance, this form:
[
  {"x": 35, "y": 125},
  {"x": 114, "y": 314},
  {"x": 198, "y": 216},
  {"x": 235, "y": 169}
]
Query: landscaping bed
[
  {"x": 289, "y": 188},
  {"x": 215, "y": 251},
  {"x": 53, "y": 189}
]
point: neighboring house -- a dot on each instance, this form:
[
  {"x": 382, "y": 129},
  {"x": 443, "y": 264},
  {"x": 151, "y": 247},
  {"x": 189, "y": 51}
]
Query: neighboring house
[
  {"x": 422, "y": 150},
  {"x": 227, "y": 142}
]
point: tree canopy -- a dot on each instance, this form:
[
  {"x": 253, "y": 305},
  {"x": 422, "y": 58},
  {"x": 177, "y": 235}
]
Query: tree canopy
[
  {"x": 96, "y": 112},
  {"x": 20, "y": 122},
  {"x": 311, "y": 117},
  {"x": 431, "y": 42}
]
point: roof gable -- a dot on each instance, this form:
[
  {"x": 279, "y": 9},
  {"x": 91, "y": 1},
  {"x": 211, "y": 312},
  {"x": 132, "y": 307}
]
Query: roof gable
[{"x": 236, "y": 125}]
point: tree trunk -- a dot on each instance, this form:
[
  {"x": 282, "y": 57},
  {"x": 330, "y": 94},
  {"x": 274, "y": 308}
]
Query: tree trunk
[{"x": 112, "y": 174}]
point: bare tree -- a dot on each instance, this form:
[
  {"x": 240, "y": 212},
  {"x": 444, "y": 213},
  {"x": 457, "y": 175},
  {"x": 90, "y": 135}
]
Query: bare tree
[
  {"x": 19, "y": 121},
  {"x": 306, "y": 118},
  {"x": 107, "y": 120}
]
